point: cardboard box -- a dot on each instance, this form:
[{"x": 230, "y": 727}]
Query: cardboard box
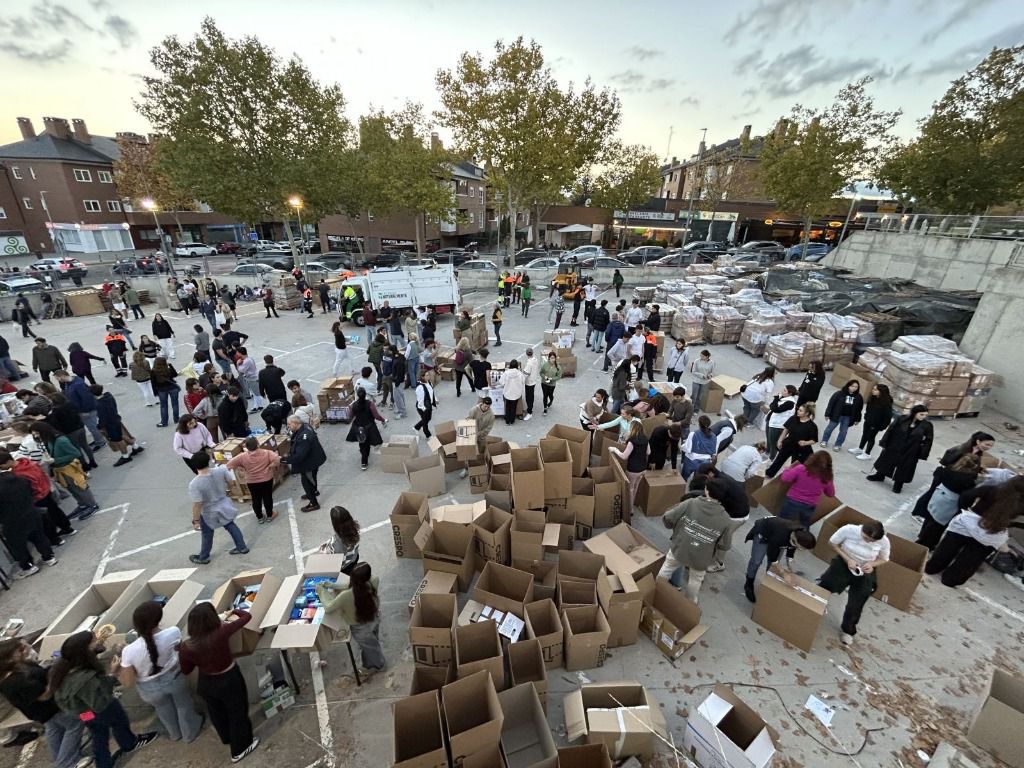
[
  {"x": 499, "y": 490},
  {"x": 651, "y": 423},
  {"x": 396, "y": 451},
  {"x": 527, "y": 478},
  {"x": 425, "y": 679},
  {"x": 407, "y": 516},
  {"x": 544, "y": 625},
  {"x": 793, "y": 613},
  {"x": 491, "y": 756},
  {"x": 607, "y": 497},
  {"x": 545, "y": 578},
  {"x": 530, "y": 534},
  {"x": 173, "y": 584},
  {"x": 998, "y": 724},
  {"x": 723, "y": 732},
  {"x": 419, "y": 732},
  {"x": 433, "y": 583},
  {"x": 465, "y": 440},
  {"x": 505, "y": 588},
  {"x": 477, "y": 648},
  {"x": 719, "y": 389},
  {"x": 499, "y": 452},
  {"x": 621, "y": 716},
  {"x": 773, "y": 493},
  {"x": 473, "y": 714},
  {"x": 579, "y": 446},
  {"x": 898, "y": 578},
  {"x": 753, "y": 485},
  {"x": 462, "y": 514},
  {"x": 307, "y": 637},
  {"x": 526, "y": 665},
  {"x": 580, "y": 566},
  {"x": 659, "y": 489},
  {"x": 584, "y": 756},
  {"x": 558, "y": 464},
  {"x": 575, "y": 593},
  {"x": 525, "y": 734},
  {"x": 560, "y": 514},
  {"x": 426, "y": 474},
  {"x": 245, "y": 640},
  {"x": 602, "y": 441},
  {"x": 430, "y": 630},
  {"x": 603, "y": 418},
  {"x": 95, "y": 600},
  {"x": 492, "y": 536},
  {"x": 843, "y": 373},
  {"x": 672, "y": 620},
  {"x": 586, "y": 634},
  {"x": 448, "y": 547},
  {"x": 622, "y": 602},
  {"x": 479, "y": 475},
  {"x": 626, "y": 552},
  {"x": 578, "y": 507}
]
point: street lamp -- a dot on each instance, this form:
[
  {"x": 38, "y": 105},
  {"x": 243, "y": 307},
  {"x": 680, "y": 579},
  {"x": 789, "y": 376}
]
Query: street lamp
[
  {"x": 150, "y": 205},
  {"x": 296, "y": 203},
  {"x": 698, "y": 178}
]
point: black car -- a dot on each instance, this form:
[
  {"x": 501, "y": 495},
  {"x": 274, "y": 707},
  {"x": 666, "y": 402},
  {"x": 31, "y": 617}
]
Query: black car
[
  {"x": 278, "y": 259},
  {"x": 643, "y": 254},
  {"x": 146, "y": 265},
  {"x": 338, "y": 261}
]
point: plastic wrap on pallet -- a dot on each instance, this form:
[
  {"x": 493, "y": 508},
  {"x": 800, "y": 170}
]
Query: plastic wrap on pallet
[
  {"x": 679, "y": 299},
  {"x": 746, "y": 295},
  {"x": 723, "y": 312},
  {"x": 768, "y": 313},
  {"x": 874, "y": 358},
  {"x": 797, "y": 320},
  {"x": 793, "y": 351},
  {"x": 933, "y": 344},
  {"x": 700, "y": 269},
  {"x": 981, "y": 378},
  {"x": 829, "y": 327},
  {"x": 644, "y": 292},
  {"x": 908, "y": 365},
  {"x": 755, "y": 334},
  {"x": 719, "y": 280},
  {"x": 835, "y": 352}
]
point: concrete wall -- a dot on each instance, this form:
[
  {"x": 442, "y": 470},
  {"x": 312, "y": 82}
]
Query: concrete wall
[
  {"x": 540, "y": 279},
  {"x": 994, "y": 268}
]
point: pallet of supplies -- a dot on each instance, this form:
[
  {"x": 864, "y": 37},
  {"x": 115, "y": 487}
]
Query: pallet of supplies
[
  {"x": 759, "y": 327},
  {"x": 723, "y": 325},
  {"x": 830, "y": 327},
  {"x": 87, "y": 301},
  {"x": 797, "y": 320},
  {"x": 793, "y": 351},
  {"x": 688, "y": 324},
  {"x": 938, "y": 381}
]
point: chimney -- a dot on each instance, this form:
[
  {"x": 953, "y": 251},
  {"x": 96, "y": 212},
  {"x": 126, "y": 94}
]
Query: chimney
[
  {"x": 81, "y": 132},
  {"x": 435, "y": 141},
  {"x": 28, "y": 131},
  {"x": 57, "y": 127},
  {"x": 129, "y": 136},
  {"x": 745, "y": 135},
  {"x": 700, "y": 149},
  {"x": 781, "y": 127}
]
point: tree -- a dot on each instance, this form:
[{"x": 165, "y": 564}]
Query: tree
[
  {"x": 630, "y": 177},
  {"x": 511, "y": 115},
  {"x": 814, "y": 155},
  {"x": 969, "y": 155},
  {"x": 141, "y": 172},
  {"x": 245, "y": 131}
]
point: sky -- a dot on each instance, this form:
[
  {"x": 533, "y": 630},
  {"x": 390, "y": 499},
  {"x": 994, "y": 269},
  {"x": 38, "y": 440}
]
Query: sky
[{"x": 679, "y": 66}]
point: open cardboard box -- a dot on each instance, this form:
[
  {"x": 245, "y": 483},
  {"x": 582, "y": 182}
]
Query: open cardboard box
[
  {"x": 672, "y": 620},
  {"x": 607, "y": 497},
  {"x": 584, "y": 756},
  {"x": 479, "y": 475},
  {"x": 473, "y": 715},
  {"x": 622, "y": 602},
  {"x": 419, "y": 732},
  {"x": 723, "y": 732},
  {"x": 426, "y": 474},
  {"x": 526, "y": 665},
  {"x": 245, "y": 640},
  {"x": 306, "y": 637},
  {"x": 396, "y": 451},
  {"x": 465, "y": 440},
  {"x": 545, "y": 578},
  {"x": 544, "y": 625},
  {"x": 477, "y": 647},
  {"x": 174, "y": 584},
  {"x": 531, "y": 535},
  {"x": 793, "y": 613},
  {"x": 507, "y": 589},
  {"x": 627, "y": 552},
  {"x": 558, "y": 465},
  {"x": 448, "y": 547},
  {"x": 499, "y": 490},
  {"x": 659, "y": 489},
  {"x": 430, "y": 630},
  {"x": 898, "y": 578},
  {"x": 998, "y": 724},
  {"x": 525, "y": 734},
  {"x": 426, "y": 679},
  {"x": 434, "y": 583},
  {"x": 718, "y": 390},
  {"x": 463, "y": 514},
  {"x": 772, "y": 494},
  {"x": 572, "y": 593},
  {"x": 620, "y": 715},
  {"x": 491, "y": 534},
  {"x": 579, "y": 446},
  {"x": 578, "y": 507},
  {"x": 527, "y": 478},
  {"x": 407, "y": 516},
  {"x": 95, "y": 600},
  {"x": 586, "y": 637}
]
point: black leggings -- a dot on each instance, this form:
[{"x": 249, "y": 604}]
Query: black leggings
[
  {"x": 957, "y": 558},
  {"x": 674, "y": 376},
  {"x": 228, "y": 704},
  {"x": 424, "y": 422},
  {"x": 511, "y": 406},
  {"x": 786, "y": 452},
  {"x": 531, "y": 390},
  {"x": 458, "y": 381},
  {"x": 549, "y": 394},
  {"x": 262, "y": 498},
  {"x": 867, "y": 439},
  {"x": 364, "y": 452},
  {"x": 55, "y": 522}
]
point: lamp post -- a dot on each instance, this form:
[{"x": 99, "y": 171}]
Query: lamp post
[
  {"x": 846, "y": 221},
  {"x": 150, "y": 205},
  {"x": 58, "y": 242},
  {"x": 689, "y": 210},
  {"x": 296, "y": 203}
]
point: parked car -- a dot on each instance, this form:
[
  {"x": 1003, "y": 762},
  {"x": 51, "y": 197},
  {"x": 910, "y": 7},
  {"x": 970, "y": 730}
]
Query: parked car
[
  {"x": 229, "y": 247},
  {"x": 770, "y": 249},
  {"x": 643, "y": 254},
  {"x": 677, "y": 259},
  {"x": 254, "y": 270},
  {"x": 478, "y": 265},
  {"x": 706, "y": 246},
  {"x": 277, "y": 259},
  {"x": 144, "y": 265},
  {"x": 544, "y": 262},
  {"x": 194, "y": 249},
  {"x": 337, "y": 261},
  {"x": 67, "y": 266},
  {"x": 604, "y": 262},
  {"x": 316, "y": 271},
  {"x": 583, "y": 252},
  {"x": 11, "y": 284},
  {"x": 452, "y": 255},
  {"x": 812, "y": 252}
]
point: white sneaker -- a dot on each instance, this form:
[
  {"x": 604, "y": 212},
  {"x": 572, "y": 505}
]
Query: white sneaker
[
  {"x": 24, "y": 574},
  {"x": 864, "y": 456},
  {"x": 1014, "y": 579},
  {"x": 823, "y": 444},
  {"x": 846, "y": 639},
  {"x": 853, "y": 450},
  {"x": 838, "y": 448},
  {"x": 527, "y": 417}
]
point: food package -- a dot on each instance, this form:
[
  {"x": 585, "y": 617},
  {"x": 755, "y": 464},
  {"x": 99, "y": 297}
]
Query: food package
[
  {"x": 792, "y": 351},
  {"x": 932, "y": 344},
  {"x": 874, "y": 358},
  {"x": 829, "y": 327},
  {"x": 797, "y": 320}
]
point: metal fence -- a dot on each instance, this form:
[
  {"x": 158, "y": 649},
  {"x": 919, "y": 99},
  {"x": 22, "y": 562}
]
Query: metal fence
[{"x": 990, "y": 227}]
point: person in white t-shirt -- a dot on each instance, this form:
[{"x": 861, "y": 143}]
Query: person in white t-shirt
[
  {"x": 633, "y": 315},
  {"x": 860, "y": 549},
  {"x": 744, "y": 462},
  {"x": 151, "y": 664}
]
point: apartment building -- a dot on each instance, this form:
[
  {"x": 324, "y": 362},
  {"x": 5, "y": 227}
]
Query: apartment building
[{"x": 726, "y": 172}]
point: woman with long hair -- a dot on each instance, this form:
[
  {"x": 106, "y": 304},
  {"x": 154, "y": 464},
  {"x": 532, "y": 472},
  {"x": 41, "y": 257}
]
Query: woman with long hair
[
  {"x": 463, "y": 356},
  {"x": 700, "y": 446},
  {"x": 345, "y": 540},
  {"x": 82, "y": 688},
  {"x": 811, "y": 386},
  {"x": 978, "y": 445},
  {"x": 799, "y": 434},
  {"x": 142, "y": 376},
  {"x": 364, "y": 426},
  {"x": 193, "y": 394},
  {"x": 592, "y": 409},
  {"x": 907, "y": 441},
  {"x": 220, "y": 682},
  {"x": 67, "y": 468},
  {"x": 166, "y": 388},
  {"x": 844, "y": 410},
  {"x": 877, "y": 416},
  {"x": 149, "y": 349},
  {"x": 23, "y": 684},
  {"x": 190, "y": 438},
  {"x": 756, "y": 392},
  {"x": 164, "y": 335},
  {"x": 944, "y": 503},
  {"x": 81, "y": 361},
  {"x": 550, "y": 373},
  {"x": 808, "y": 483},
  {"x": 151, "y": 664},
  {"x": 359, "y": 606},
  {"x": 340, "y": 349},
  {"x": 977, "y": 531},
  {"x": 120, "y": 324},
  {"x": 635, "y": 456},
  {"x": 622, "y": 376},
  {"x": 782, "y": 407}
]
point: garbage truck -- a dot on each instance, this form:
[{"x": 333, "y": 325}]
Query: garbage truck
[{"x": 401, "y": 287}]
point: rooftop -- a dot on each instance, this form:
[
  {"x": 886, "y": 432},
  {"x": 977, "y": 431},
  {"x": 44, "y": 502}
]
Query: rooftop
[{"x": 102, "y": 149}]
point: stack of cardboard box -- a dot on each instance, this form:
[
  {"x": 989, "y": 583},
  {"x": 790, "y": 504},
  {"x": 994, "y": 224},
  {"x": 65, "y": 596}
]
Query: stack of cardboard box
[
  {"x": 938, "y": 381},
  {"x": 759, "y": 327},
  {"x": 335, "y": 399},
  {"x": 688, "y": 324},
  {"x": 286, "y": 293},
  {"x": 793, "y": 351},
  {"x": 723, "y": 325},
  {"x": 837, "y": 333},
  {"x": 238, "y": 488},
  {"x": 476, "y": 333}
]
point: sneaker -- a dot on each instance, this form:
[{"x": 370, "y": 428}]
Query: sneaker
[
  {"x": 237, "y": 551},
  {"x": 88, "y": 512},
  {"x": 823, "y": 444},
  {"x": 69, "y": 532},
  {"x": 463, "y": 474},
  {"x": 854, "y": 450},
  {"x": 51, "y": 561},
  {"x": 545, "y": 411},
  {"x": 309, "y": 508},
  {"x": 863, "y": 456},
  {"x": 161, "y": 425},
  {"x": 250, "y": 748},
  {"x": 142, "y": 740},
  {"x": 58, "y": 543},
  {"x": 198, "y": 560},
  {"x": 838, "y": 448},
  {"x": 273, "y": 517},
  {"x": 122, "y": 461},
  {"x": 137, "y": 449},
  {"x": 716, "y": 567},
  {"x": 846, "y": 639},
  {"x": 1014, "y": 579},
  {"x": 84, "y": 762},
  {"x": 362, "y": 467},
  {"x": 260, "y": 520},
  {"x": 24, "y": 574},
  {"x": 875, "y": 478},
  {"x": 528, "y": 416}
]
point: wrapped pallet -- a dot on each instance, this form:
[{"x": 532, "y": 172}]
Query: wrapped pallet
[
  {"x": 932, "y": 344},
  {"x": 723, "y": 325},
  {"x": 688, "y": 324},
  {"x": 700, "y": 269},
  {"x": 796, "y": 320},
  {"x": 830, "y": 327},
  {"x": 764, "y": 322},
  {"x": 644, "y": 293},
  {"x": 874, "y": 358},
  {"x": 793, "y": 351},
  {"x": 938, "y": 381}
]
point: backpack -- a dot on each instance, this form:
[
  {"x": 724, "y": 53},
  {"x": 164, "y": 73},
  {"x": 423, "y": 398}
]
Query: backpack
[{"x": 460, "y": 357}]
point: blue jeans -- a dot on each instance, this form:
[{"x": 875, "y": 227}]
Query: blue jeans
[
  {"x": 206, "y": 532},
  {"x": 617, "y": 405},
  {"x": 696, "y": 394},
  {"x": 169, "y": 695},
  {"x": 758, "y": 552},
  {"x": 225, "y": 365},
  {"x": 399, "y": 398},
  {"x": 165, "y": 395},
  {"x": 596, "y": 338},
  {"x": 843, "y": 424},
  {"x": 64, "y": 737},
  {"x": 91, "y": 422},
  {"x": 8, "y": 364},
  {"x": 111, "y": 720},
  {"x": 791, "y": 510},
  {"x": 413, "y": 371}
]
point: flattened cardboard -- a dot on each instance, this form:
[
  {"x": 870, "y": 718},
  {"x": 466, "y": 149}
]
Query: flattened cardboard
[
  {"x": 505, "y": 588},
  {"x": 672, "y": 621},
  {"x": 477, "y": 648},
  {"x": 418, "y": 739},
  {"x": 430, "y": 630},
  {"x": 396, "y": 451},
  {"x": 492, "y": 536},
  {"x": 407, "y": 515},
  {"x": 773, "y": 493},
  {"x": 526, "y": 665},
  {"x": 622, "y": 602},
  {"x": 659, "y": 489},
  {"x": 545, "y": 625},
  {"x": 723, "y": 732},
  {"x": 898, "y": 578},
  {"x": 586, "y": 634},
  {"x": 584, "y": 756},
  {"x": 425, "y": 679},
  {"x": 579, "y": 446},
  {"x": 434, "y": 583},
  {"x": 426, "y": 474},
  {"x": 793, "y": 613},
  {"x": 244, "y": 641},
  {"x": 448, "y": 547},
  {"x": 998, "y": 724},
  {"x": 527, "y": 478},
  {"x": 719, "y": 389},
  {"x": 626, "y": 552},
  {"x": 607, "y": 497},
  {"x": 525, "y": 734},
  {"x": 558, "y": 466},
  {"x": 472, "y": 713},
  {"x": 622, "y": 716}
]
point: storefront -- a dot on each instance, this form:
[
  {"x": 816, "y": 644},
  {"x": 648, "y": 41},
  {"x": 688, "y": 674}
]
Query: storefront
[{"x": 92, "y": 238}]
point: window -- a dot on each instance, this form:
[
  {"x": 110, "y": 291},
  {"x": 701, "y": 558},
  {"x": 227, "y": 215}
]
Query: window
[
  {"x": 105, "y": 177},
  {"x": 3, "y": 213},
  {"x": 82, "y": 175},
  {"x": 728, "y": 170},
  {"x": 16, "y": 171},
  {"x": 481, "y": 195},
  {"x": 32, "y": 171},
  {"x": 113, "y": 205},
  {"x": 27, "y": 202},
  {"x": 92, "y": 206}
]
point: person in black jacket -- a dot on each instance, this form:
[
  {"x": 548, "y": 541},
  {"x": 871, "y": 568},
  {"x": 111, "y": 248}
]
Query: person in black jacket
[
  {"x": 275, "y": 413},
  {"x": 653, "y": 321},
  {"x": 364, "y": 426},
  {"x": 948, "y": 497},
  {"x": 906, "y": 441},
  {"x": 232, "y": 418},
  {"x": 599, "y": 320},
  {"x": 978, "y": 444},
  {"x": 664, "y": 442},
  {"x": 844, "y": 410},
  {"x": 767, "y": 537},
  {"x": 22, "y": 523},
  {"x": 271, "y": 381},
  {"x": 65, "y": 418},
  {"x": 811, "y": 386},
  {"x": 877, "y": 416},
  {"x": 305, "y": 458}
]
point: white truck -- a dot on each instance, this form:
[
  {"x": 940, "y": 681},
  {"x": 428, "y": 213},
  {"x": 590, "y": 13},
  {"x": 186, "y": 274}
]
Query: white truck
[{"x": 401, "y": 287}]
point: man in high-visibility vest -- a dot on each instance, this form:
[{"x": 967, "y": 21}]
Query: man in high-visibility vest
[{"x": 650, "y": 352}]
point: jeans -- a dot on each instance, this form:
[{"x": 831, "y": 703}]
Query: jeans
[
  {"x": 111, "y": 720},
  {"x": 694, "y": 578},
  {"x": 6, "y": 363},
  {"x": 792, "y": 510},
  {"x": 531, "y": 391},
  {"x": 262, "y": 498},
  {"x": 526, "y": 307},
  {"x": 511, "y": 406},
  {"x": 751, "y": 411},
  {"x": 387, "y": 387},
  {"x": 225, "y": 365},
  {"x": 369, "y": 334},
  {"x": 308, "y": 480},
  {"x": 367, "y": 637},
  {"x": 596, "y": 337},
  {"x": 837, "y": 578},
  {"x": 64, "y": 737},
  {"x": 843, "y": 424},
  {"x": 227, "y": 701},
  {"x": 758, "y": 552},
  {"x": 616, "y": 406},
  {"x": 957, "y": 558},
  {"x": 79, "y": 438},
  {"x": 91, "y": 422},
  {"x": 341, "y": 356},
  {"x": 549, "y": 394},
  {"x": 169, "y": 695},
  {"x": 697, "y": 394},
  {"x": 206, "y": 534},
  {"x": 165, "y": 395},
  {"x": 497, "y": 333},
  {"x": 413, "y": 371},
  {"x": 137, "y": 311}
]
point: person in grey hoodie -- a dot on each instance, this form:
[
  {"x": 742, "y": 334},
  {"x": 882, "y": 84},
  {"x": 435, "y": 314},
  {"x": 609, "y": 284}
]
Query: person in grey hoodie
[{"x": 700, "y": 531}]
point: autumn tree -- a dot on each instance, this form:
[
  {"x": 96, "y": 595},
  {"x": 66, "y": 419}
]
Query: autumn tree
[
  {"x": 630, "y": 177},
  {"x": 814, "y": 155},
  {"x": 969, "y": 155},
  {"x": 141, "y": 172},
  {"x": 511, "y": 115}
]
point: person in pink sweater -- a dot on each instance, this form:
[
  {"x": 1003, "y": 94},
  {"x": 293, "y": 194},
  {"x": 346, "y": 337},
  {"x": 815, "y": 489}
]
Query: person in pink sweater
[
  {"x": 259, "y": 464},
  {"x": 808, "y": 483}
]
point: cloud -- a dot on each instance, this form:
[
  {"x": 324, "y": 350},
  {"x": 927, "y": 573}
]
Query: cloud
[
  {"x": 782, "y": 14},
  {"x": 626, "y": 77},
  {"x": 660, "y": 84},
  {"x": 689, "y": 101},
  {"x": 642, "y": 53},
  {"x": 745, "y": 115},
  {"x": 968, "y": 55},
  {"x": 120, "y": 29},
  {"x": 800, "y": 69},
  {"x": 37, "y": 55},
  {"x": 35, "y": 29},
  {"x": 963, "y": 11}
]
